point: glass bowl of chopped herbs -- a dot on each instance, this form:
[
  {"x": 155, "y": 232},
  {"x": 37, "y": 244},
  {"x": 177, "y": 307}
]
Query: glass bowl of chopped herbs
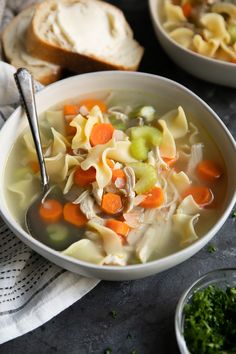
[{"x": 205, "y": 319}]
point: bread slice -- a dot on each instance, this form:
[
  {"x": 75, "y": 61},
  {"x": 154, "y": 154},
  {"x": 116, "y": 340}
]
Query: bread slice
[
  {"x": 14, "y": 37},
  {"x": 83, "y": 35}
]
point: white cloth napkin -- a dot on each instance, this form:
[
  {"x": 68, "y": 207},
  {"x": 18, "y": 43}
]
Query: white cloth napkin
[{"x": 32, "y": 290}]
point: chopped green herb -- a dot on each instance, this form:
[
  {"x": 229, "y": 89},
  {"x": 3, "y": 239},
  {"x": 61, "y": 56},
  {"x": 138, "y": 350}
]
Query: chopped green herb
[
  {"x": 133, "y": 352},
  {"x": 211, "y": 248},
  {"x": 234, "y": 214},
  {"x": 113, "y": 314},
  {"x": 129, "y": 336},
  {"x": 107, "y": 351},
  {"x": 210, "y": 321}
]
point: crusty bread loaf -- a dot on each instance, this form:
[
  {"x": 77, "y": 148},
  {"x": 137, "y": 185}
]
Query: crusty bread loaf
[
  {"x": 83, "y": 35},
  {"x": 14, "y": 38}
]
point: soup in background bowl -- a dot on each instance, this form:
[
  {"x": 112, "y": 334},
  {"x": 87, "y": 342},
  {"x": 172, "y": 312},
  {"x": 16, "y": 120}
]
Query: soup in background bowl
[{"x": 159, "y": 136}]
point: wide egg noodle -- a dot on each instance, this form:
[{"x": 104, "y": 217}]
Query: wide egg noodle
[
  {"x": 58, "y": 166},
  {"x": 207, "y": 48},
  {"x": 79, "y": 140},
  {"x": 225, "y": 8},
  {"x": 121, "y": 152},
  {"x": 167, "y": 147},
  {"x": 184, "y": 227},
  {"x": 111, "y": 241},
  {"x": 56, "y": 120},
  {"x": 85, "y": 250},
  {"x": 26, "y": 189},
  {"x": 59, "y": 143},
  {"x": 180, "y": 180},
  {"x": 183, "y": 36},
  {"x": 173, "y": 13},
  {"x": 226, "y": 53},
  {"x": 176, "y": 122},
  {"x": 188, "y": 206},
  {"x": 215, "y": 27}
]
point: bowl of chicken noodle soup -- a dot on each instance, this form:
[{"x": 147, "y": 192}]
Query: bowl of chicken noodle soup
[
  {"x": 143, "y": 172},
  {"x": 199, "y": 35}
]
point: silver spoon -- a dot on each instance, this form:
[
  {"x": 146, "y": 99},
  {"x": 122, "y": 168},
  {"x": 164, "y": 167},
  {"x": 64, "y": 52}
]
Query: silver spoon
[{"x": 33, "y": 223}]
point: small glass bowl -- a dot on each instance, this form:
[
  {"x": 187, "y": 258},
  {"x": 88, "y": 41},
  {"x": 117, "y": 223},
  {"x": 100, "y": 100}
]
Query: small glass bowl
[{"x": 222, "y": 278}]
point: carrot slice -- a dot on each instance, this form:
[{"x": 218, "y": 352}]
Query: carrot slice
[
  {"x": 233, "y": 61},
  {"x": 74, "y": 215},
  {"x": 202, "y": 195},
  {"x": 209, "y": 170},
  {"x": 154, "y": 198},
  {"x": 90, "y": 103},
  {"x": 121, "y": 228},
  {"x": 110, "y": 163},
  {"x": 50, "y": 211},
  {"x": 83, "y": 178},
  {"x": 187, "y": 9},
  {"x": 101, "y": 133},
  {"x": 70, "y": 110},
  {"x": 34, "y": 165},
  {"x": 111, "y": 203},
  {"x": 117, "y": 174}
]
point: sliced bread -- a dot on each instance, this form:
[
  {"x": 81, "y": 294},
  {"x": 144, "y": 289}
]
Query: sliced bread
[
  {"x": 83, "y": 35},
  {"x": 14, "y": 38}
]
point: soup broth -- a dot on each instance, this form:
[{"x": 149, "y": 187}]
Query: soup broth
[{"x": 141, "y": 178}]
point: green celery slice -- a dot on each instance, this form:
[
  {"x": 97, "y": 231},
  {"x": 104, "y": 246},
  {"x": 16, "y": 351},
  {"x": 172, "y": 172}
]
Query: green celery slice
[{"x": 146, "y": 175}]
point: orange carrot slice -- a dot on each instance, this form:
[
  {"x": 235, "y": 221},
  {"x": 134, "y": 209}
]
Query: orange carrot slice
[
  {"x": 169, "y": 161},
  {"x": 118, "y": 174},
  {"x": 154, "y": 198},
  {"x": 73, "y": 214},
  {"x": 50, "y": 211},
  {"x": 70, "y": 110},
  {"x": 111, "y": 203},
  {"x": 101, "y": 133},
  {"x": 187, "y": 9},
  {"x": 209, "y": 170},
  {"x": 121, "y": 228},
  {"x": 90, "y": 103},
  {"x": 83, "y": 178},
  {"x": 110, "y": 163},
  {"x": 202, "y": 195}
]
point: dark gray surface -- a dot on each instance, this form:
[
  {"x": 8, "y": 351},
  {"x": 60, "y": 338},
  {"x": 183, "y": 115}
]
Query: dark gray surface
[{"x": 145, "y": 308}]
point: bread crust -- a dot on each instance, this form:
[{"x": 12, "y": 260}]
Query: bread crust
[
  {"x": 45, "y": 79},
  {"x": 74, "y": 61}
]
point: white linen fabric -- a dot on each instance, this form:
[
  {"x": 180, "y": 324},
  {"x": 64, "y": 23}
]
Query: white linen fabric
[{"x": 32, "y": 290}]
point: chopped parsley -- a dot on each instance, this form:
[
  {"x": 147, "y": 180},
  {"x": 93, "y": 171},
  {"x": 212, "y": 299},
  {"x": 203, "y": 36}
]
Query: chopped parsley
[
  {"x": 113, "y": 314},
  {"x": 133, "y": 352},
  {"x": 210, "y": 321},
  {"x": 211, "y": 248},
  {"x": 107, "y": 351},
  {"x": 234, "y": 214}
]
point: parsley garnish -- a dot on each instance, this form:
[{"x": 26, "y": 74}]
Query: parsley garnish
[
  {"x": 211, "y": 248},
  {"x": 133, "y": 352},
  {"x": 234, "y": 214},
  {"x": 107, "y": 351},
  {"x": 113, "y": 314},
  {"x": 210, "y": 322}
]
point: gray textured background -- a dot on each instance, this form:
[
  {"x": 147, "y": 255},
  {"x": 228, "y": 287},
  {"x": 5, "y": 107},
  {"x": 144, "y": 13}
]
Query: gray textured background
[{"x": 145, "y": 308}]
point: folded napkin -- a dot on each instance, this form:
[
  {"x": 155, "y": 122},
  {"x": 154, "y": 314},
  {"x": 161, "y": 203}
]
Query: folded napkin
[{"x": 32, "y": 290}]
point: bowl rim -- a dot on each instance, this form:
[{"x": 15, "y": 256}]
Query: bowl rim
[
  {"x": 184, "y": 298},
  {"x": 156, "y": 18},
  {"x": 13, "y": 224}
]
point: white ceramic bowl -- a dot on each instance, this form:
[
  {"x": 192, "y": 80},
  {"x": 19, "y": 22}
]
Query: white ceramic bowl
[
  {"x": 216, "y": 71},
  {"x": 175, "y": 94}
]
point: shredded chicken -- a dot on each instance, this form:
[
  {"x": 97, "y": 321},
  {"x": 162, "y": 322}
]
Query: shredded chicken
[
  {"x": 87, "y": 207},
  {"x": 81, "y": 197},
  {"x": 97, "y": 193},
  {"x": 129, "y": 187}
]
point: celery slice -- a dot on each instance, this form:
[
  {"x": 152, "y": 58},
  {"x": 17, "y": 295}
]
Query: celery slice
[
  {"x": 232, "y": 33},
  {"x": 57, "y": 233},
  {"x": 146, "y": 175},
  {"x": 117, "y": 123},
  {"x": 152, "y": 135},
  {"x": 139, "y": 149},
  {"x": 146, "y": 112}
]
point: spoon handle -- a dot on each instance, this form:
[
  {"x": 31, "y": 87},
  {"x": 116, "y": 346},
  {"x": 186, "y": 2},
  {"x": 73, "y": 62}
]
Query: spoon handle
[{"x": 25, "y": 86}]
